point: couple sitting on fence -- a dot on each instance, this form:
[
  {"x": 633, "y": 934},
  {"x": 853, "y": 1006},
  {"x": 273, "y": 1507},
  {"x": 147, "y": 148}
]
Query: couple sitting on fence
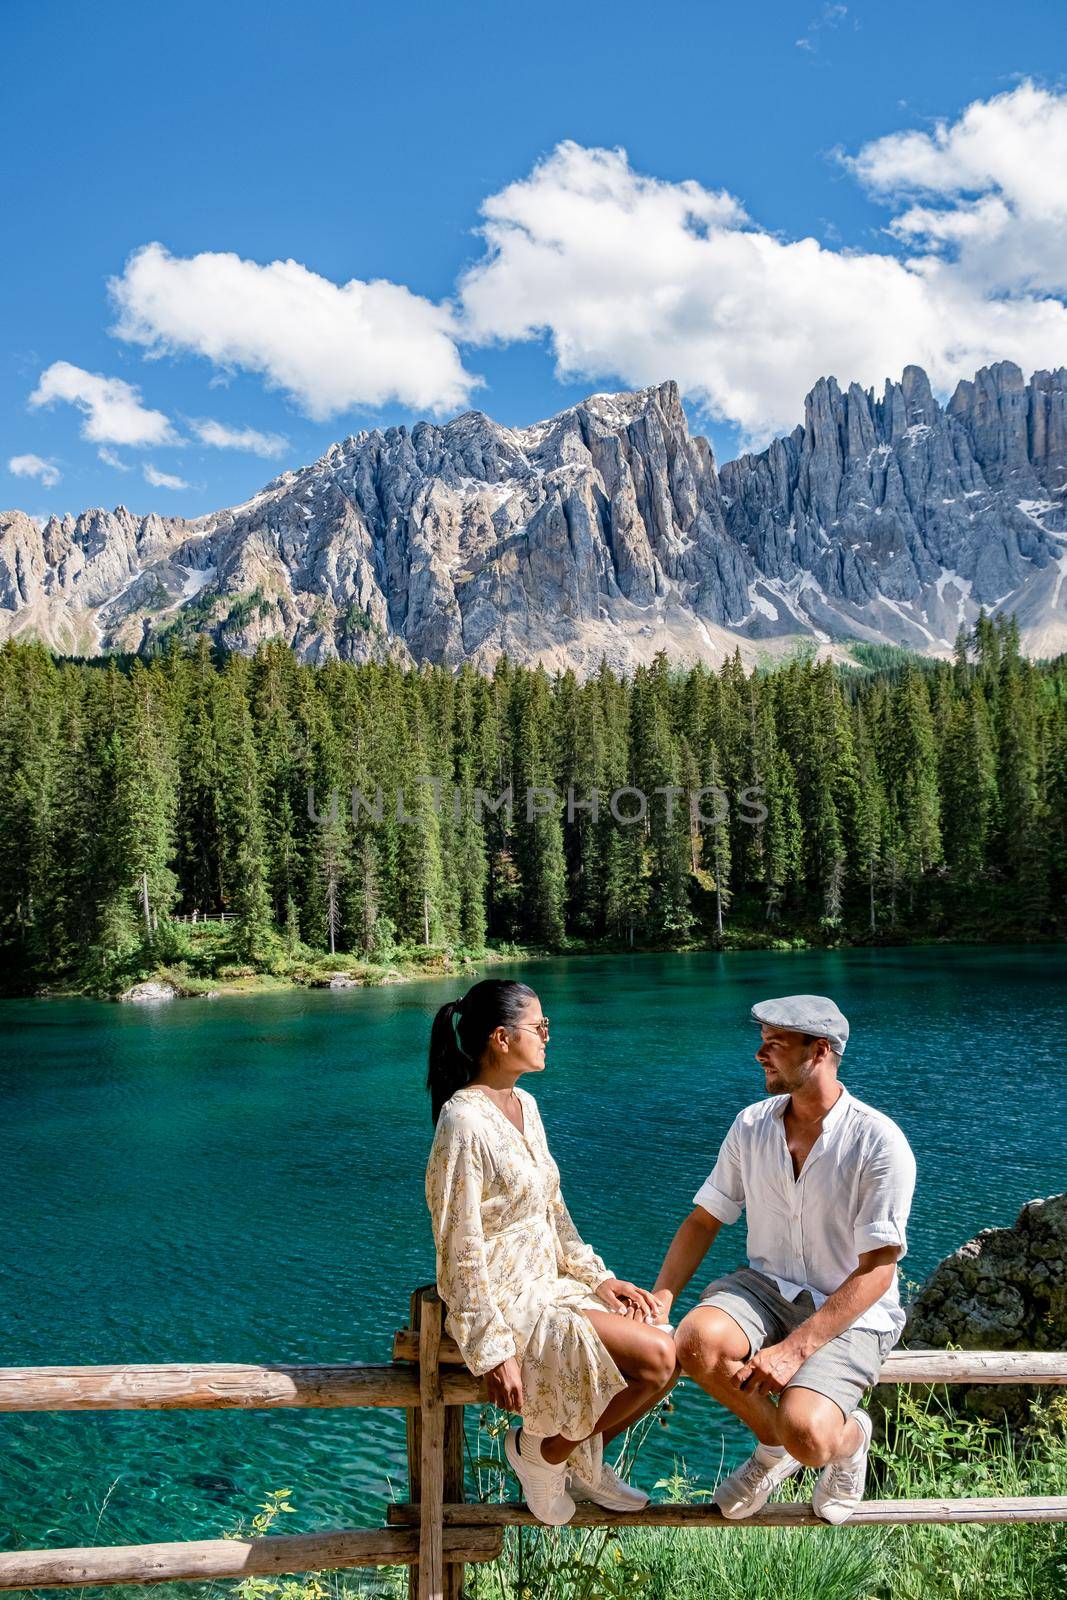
[{"x": 789, "y": 1343}]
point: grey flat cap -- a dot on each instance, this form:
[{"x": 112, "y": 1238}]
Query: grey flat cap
[{"x": 805, "y": 1013}]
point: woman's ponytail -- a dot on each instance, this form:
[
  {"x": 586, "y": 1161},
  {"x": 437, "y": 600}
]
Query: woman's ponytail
[
  {"x": 460, "y": 1033},
  {"x": 451, "y": 1067}
]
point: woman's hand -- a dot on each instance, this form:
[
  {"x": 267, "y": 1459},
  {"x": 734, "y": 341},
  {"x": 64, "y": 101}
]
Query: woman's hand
[
  {"x": 504, "y": 1385},
  {"x": 627, "y": 1298}
]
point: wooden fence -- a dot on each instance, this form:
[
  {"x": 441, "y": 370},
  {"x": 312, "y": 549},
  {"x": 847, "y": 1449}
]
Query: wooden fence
[{"x": 435, "y": 1533}]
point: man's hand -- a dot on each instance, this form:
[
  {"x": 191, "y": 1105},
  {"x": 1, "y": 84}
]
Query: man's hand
[
  {"x": 618, "y": 1295},
  {"x": 769, "y": 1370},
  {"x": 664, "y": 1300},
  {"x": 504, "y": 1385}
]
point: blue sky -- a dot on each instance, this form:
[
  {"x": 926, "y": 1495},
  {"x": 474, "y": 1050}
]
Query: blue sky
[{"x": 362, "y": 145}]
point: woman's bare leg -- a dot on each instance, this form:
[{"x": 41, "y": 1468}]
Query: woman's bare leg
[
  {"x": 645, "y": 1356},
  {"x": 621, "y": 1424}
]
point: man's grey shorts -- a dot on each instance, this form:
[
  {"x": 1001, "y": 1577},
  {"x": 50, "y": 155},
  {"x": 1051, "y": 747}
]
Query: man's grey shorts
[{"x": 842, "y": 1370}]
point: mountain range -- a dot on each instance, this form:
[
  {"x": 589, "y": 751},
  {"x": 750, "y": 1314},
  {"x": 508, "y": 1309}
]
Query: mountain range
[{"x": 606, "y": 531}]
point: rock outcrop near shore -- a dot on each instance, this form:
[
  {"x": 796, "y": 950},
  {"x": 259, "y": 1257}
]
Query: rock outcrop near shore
[{"x": 1006, "y": 1289}]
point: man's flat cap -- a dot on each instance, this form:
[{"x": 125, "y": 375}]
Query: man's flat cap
[{"x": 805, "y": 1013}]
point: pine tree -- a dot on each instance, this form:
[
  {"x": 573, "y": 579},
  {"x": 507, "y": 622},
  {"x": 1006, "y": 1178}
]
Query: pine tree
[
  {"x": 658, "y": 774},
  {"x": 909, "y": 761},
  {"x": 870, "y": 813},
  {"x": 292, "y": 928},
  {"x": 471, "y": 859},
  {"x": 29, "y": 711},
  {"x": 241, "y": 829},
  {"x": 716, "y": 846},
  {"x": 420, "y": 863},
  {"x": 272, "y": 693},
  {"x": 200, "y": 848},
  {"x": 146, "y": 801},
  {"x": 538, "y": 835},
  {"x": 1023, "y": 835},
  {"x": 968, "y": 785}
]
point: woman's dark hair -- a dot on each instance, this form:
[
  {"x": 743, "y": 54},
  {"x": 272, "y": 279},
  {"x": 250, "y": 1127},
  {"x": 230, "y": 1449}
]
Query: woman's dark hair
[{"x": 461, "y": 1031}]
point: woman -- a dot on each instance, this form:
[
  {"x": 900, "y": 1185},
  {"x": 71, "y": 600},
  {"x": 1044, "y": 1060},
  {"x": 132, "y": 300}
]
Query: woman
[{"x": 557, "y": 1336}]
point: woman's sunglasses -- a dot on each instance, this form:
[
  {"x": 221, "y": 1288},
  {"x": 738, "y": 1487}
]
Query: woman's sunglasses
[{"x": 534, "y": 1027}]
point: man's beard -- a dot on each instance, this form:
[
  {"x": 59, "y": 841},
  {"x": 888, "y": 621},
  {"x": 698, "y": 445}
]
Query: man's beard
[{"x": 777, "y": 1084}]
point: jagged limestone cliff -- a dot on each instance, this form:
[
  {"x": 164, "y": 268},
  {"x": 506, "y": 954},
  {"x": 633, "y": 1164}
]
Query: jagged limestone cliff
[{"x": 605, "y": 531}]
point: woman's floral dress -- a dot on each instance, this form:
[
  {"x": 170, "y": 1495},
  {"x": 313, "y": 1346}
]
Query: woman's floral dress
[{"x": 514, "y": 1273}]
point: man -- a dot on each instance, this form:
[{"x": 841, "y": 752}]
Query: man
[{"x": 791, "y": 1342}]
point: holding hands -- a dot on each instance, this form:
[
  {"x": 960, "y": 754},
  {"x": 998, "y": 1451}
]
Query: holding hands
[{"x": 627, "y": 1299}]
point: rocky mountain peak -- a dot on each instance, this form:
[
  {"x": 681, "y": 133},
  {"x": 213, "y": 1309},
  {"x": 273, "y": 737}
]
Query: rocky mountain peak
[{"x": 606, "y": 530}]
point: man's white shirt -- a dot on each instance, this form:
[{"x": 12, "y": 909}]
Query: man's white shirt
[{"x": 853, "y": 1195}]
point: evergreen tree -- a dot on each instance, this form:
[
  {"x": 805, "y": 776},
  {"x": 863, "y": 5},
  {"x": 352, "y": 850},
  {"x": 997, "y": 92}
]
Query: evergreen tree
[
  {"x": 870, "y": 813},
  {"x": 968, "y": 784},
  {"x": 470, "y": 855},
  {"x": 1024, "y": 842},
  {"x": 242, "y": 835},
  {"x": 538, "y": 834},
  {"x": 910, "y": 764},
  {"x": 29, "y": 715},
  {"x": 416, "y": 885},
  {"x": 199, "y": 863},
  {"x": 658, "y": 773},
  {"x": 146, "y": 800}
]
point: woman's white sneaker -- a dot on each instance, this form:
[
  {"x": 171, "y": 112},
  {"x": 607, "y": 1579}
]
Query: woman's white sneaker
[
  {"x": 544, "y": 1485},
  {"x": 748, "y": 1489},
  {"x": 609, "y": 1491},
  {"x": 840, "y": 1486}
]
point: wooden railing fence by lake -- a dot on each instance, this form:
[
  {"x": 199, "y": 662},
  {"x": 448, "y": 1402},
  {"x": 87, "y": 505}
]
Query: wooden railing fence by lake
[{"x": 436, "y": 1532}]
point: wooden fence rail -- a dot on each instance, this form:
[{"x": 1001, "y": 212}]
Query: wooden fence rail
[{"x": 435, "y": 1533}]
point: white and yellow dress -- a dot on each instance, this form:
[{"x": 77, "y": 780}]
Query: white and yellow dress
[{"x": 513, "y": 1271}]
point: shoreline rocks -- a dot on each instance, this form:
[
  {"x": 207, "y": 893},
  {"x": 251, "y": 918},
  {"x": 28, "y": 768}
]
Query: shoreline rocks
[
  {"x": 143, "y": 993},
  {"x": 1005, "y": 1289}
]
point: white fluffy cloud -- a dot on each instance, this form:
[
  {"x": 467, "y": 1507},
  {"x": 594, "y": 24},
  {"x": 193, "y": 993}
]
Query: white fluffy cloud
[
  {"x": 30, "y": 466},
  {"x": 222, "y": 437},
  {"x": 631, "y": 279},
  {"x": 634, "y": 278},
  {"x": 332, "y": 347},
  {"x": 991, "y": 188},
  {"x": 111, "y": 407},
  {"x": 162, "y": 480},
  {"x": 110, "y": 459}
]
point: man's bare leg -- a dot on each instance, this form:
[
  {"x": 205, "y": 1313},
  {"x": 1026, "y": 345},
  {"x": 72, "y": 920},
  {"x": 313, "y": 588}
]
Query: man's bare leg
[
  {"x": 813, "y": 1428},
  {"x": 711, "y": 1349}
]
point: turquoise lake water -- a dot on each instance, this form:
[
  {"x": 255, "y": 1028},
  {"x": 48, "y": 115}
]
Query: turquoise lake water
[{"x": 241, "y": 1180}]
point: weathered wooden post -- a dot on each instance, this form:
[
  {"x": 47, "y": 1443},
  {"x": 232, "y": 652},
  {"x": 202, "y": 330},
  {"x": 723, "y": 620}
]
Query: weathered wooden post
[
  {"x": 453, "y": 1489},
  {"x": 432, "y": 1405},
  {"x": 413, "y": 1419},
  {"x": 429, "y": 1487}
]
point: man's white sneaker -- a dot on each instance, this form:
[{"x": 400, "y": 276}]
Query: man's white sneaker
[
  {"x": 748, "y": 1489},
  {"x": 609, "y": 1491},
  {"x": 544, "y": 1485},
  {"x": 840, "y": 1486}
]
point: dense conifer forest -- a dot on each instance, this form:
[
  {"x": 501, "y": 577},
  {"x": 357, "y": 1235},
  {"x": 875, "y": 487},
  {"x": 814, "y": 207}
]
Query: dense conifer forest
[{"x": 902, "y": 799}]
